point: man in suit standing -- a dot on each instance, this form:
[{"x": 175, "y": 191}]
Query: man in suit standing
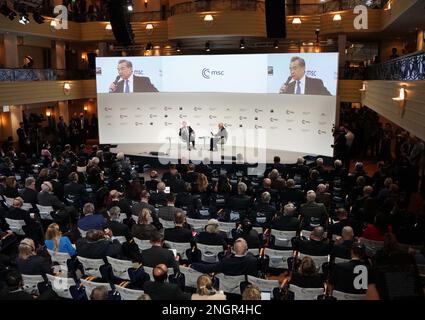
[
  {"x": 221, "y": 135},
  {"x": 187, "y": 134},
  {"x": 127, "y": 82},
  {"x": 22, "y": 137},
  {"x": 298, "y": 83}
]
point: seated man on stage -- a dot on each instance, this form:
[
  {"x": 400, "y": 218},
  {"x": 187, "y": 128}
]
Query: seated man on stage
[
  {"x": 187, "y": 134},
  {"x": 221, "y": 136}
]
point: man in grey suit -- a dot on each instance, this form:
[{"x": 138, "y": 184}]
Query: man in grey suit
[
  {"x": 167, "y": 212},
  {"x": 313, "y": 214},
  {"x": 298, "y": 83}
]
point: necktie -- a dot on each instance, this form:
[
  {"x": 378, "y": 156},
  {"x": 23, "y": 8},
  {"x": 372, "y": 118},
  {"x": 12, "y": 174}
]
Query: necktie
[
  {"x": 127, "y": 87},
  {"x": 298, "y": 87}
]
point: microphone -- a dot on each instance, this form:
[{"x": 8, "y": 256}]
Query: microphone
[
  {"x": 285, "y": 86},
  {"x": 115, "y": 82}
]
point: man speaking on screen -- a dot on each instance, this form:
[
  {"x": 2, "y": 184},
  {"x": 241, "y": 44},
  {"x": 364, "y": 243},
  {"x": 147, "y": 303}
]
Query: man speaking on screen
[
  {"x": 127, "y": 82},
  {"x": 298, "y": 83},
  {"x": 220, "y": 136}
]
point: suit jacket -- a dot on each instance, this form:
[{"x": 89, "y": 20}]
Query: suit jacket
[
  {"x": 314, "y": 214},
  {"x": 178, "y": 234},
  {"x": 167, "y": 212},
  {"x": 285, "y": 223},
  {"x": 311, "y": 247},
  {"x": 156, "y": 255},
  {"x": 140, "y": 84},
  {"x": 190, "y": 132},
  {"x": 98, "y": 249},
  {"x": 118, "y": 229},
  {"x": 232, "y": 266},
  {"x": 164, "y": 291},
  {"x": 29, "y": 196},
  {"x": 312, "y": 87},
  {"x": 49, "y": 199}
]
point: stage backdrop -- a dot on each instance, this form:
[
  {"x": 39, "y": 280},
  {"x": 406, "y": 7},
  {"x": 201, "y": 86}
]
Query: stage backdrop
[{"x": 242, "y": 91}]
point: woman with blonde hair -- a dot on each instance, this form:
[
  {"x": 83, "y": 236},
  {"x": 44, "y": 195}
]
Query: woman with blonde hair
[
  {"x": 202, "y": 187},
  {"x": 29, "y": 262},
  {"x": 144, "y": 228},
  {"x": 56, "y": 242},
  {"x": 205, "y": 290}
]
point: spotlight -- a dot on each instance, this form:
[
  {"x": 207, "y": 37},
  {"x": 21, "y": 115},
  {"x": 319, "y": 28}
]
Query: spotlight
[
  {"x": 24, "y": 18},
  {"x": 129, "y": 6},
  {"x": 207, "y": 46},
  {"x": 242, "y": 44},
  {"x": 178, "y": 47},
  {"x": 38, "y": 18},
  {"x": 276, "y": 44}
]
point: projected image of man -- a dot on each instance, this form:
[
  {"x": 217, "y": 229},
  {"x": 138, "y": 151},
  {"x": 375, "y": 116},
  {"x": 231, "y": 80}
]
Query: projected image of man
[
  {"x": 187, "y": 134},
  {"x": 298, "y": 83},
  {"x": 127, "y": 82},
  {"x": 219, "y": 137}
]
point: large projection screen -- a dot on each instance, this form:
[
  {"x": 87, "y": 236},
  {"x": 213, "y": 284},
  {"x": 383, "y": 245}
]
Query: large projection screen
[{"x": 281, "y": 102}]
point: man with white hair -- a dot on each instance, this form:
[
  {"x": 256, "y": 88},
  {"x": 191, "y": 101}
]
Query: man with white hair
[
  {"x": 91, "y": 221},
  {"x": 299, "y": 169},
  {"x": 263, "y": 211},
  {"x": 286, "y": 219},
  {"x": 159, "y": 198},
  {"x": 239, "y": 263},
  {"x": 240, "y": 202},
  {"x": 313, "y": 214},
  {"x": 291, "y": 194},
  {"x": 46, "y": 197}
]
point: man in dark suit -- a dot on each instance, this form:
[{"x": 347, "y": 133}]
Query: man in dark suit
[
  {"x": 22, "y": 137},
  {"x": 127, "y": 82},
  {"x": 315, "y": 246},
  {"x": 75, "y": 193},
  {"x": 298, "y": 83},
  {"x": 118, "y": 229},
  {"x": 157, "y": 254},
  {"x": 240, "y": 263},
  {"x": 29, "y": 194},
  {"x": 187, "y": 134},
  {"x": 168, "y": 212},
  {"x": 313, "y": 214},
  {"x": 161, "y": 290},
  {"x": 178, "y": 233}
]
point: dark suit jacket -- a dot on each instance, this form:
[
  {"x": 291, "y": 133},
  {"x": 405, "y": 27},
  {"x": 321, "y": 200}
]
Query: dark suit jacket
[
  {"x": 49, "y": 199},
  {"x": 343, "y": 277},
  {"x": 156, "y": 255},
  {"x": 98, "y": 249},
  {"x": 29, "y": 196},
  {"x": 312, "y": 87},
  {"x": 178, "y": 234},
  {"x": 232, "y": 266},
  {"x": 167, "y": 212},
  {"x": 118, "y": 229},
  {"x": 285, "y": 223},
  {"x": 140, "y": 84},
  {"x": 311, "y": 247},
  {"x": 164, "y": 291}
]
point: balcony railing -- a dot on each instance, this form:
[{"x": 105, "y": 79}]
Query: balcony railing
[
  {"x": 217, "y": 5},
  {"x": 253, "y": 5},
  {"x": 406, "y": 68},
  {"x": 11, "y": 75}
]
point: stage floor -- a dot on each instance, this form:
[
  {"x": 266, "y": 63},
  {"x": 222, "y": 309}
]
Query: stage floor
[{"x": 172, "y": 153}]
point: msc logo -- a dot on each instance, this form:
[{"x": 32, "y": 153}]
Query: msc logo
[
  {"x": 108, "y": 109},
  {"x": 258, "y": 127},
  {"x": 227, "y": 124},
  {"x": 139, "y": 108},
  {"x": 306, "y": 122},
  {"x": 138, "y": 124},
  {"x": 320, "y": 132},
  {"x": 207, "y": 73},
  {"x": 213, "y": 109},
  {"x": 311, "y": 73},
  {"x": 168, "y": 124},
  {"x": 258, "y": 110},
  {"x": 123, "y": 116},
  {"x": 306, "y": 113},
  {"x": 138, "y": 116},
  {"x": 152, "y": 108},
  {"x": 124, "y": 108},
  {"x": 288, "y": 112}
]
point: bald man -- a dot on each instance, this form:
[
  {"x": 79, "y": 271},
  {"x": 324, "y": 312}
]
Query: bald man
[
  {"x": 161, "y": 290},
  {"x": 221, "y": 135}
]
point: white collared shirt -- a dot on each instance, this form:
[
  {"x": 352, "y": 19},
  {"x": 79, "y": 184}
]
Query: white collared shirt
[
  {"x": 130, "y": 84},
  {"x": 302, "y": 85}
]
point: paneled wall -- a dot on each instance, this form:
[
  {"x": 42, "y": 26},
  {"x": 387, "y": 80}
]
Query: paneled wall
[
  {"x": 378, "y": 97},
  {"x": 349, "y": 90}
]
